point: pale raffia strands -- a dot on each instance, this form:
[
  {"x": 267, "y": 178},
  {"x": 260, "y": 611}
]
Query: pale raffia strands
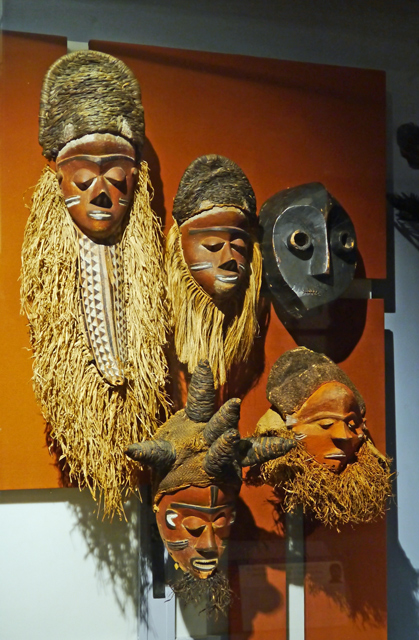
[
  {"x": 91, "y": 421},
  {"x": 359, "y": 494},
  {"x": 199, "y": 326}
]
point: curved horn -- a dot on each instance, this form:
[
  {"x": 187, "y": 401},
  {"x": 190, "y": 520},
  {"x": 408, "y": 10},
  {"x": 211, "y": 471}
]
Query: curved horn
[
  {"x": 157, "y": 454},
  {"x": 201, "y": 393},
  {"x": 222, "y": 453},
  {"x": 263, "y": 449},
  {"x": 227, "y": 417}
]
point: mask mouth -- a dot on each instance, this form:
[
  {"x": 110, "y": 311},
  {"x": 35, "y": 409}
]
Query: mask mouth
[
  {"x": 200, "y": 564},
  {"x": 336, "y": 456},
  {"x": 99, "y": 215},
  {"x": 228, "y": 279}
]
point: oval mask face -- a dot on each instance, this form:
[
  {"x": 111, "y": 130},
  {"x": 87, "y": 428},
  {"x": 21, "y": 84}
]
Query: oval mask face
[
  {"x": 309, "y": 248},
  {"x": 194, "y": 523},
  {"x": 330, "y": 426},
  {"x": 98, "y": 176},
  {"x": 217, "y": 246}
]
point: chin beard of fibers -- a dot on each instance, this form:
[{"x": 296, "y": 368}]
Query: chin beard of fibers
[
  {"x": 91, "y": 421},
  {"x": 199, "y": 326},
  {"x": 214, "y": 590},
  {"x": 358, "y": 494}
]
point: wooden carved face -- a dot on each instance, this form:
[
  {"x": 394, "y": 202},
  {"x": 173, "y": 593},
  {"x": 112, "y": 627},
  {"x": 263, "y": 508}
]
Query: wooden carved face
[
  {"x": 98, "y": 176},
  {"x": 216, "y": 248},
  {"x": 329, "y": 424},
  {"x": 194, "y": 524},
  {"x": 309, "y": 247}
]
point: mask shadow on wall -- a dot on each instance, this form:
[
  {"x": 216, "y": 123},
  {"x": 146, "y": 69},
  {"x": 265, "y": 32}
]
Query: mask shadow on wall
[
  {"x": 157, "y": 204},
  {"x": 333, "y": 329}
]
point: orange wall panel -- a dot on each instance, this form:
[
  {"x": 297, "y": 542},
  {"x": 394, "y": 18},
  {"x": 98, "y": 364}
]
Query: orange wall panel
[{"x": 24, "y": 459}]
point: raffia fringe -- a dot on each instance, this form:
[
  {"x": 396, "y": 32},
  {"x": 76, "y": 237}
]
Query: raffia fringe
[
  {"x": 91, "y": 421},
  {"x": 358, "y": 494},
  {"x": 199, "y": 330}
]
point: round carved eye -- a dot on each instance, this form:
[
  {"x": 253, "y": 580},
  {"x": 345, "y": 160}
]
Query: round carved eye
[
  {"x": 346, "y": 240},
  {"x": 299, "y": 240}
]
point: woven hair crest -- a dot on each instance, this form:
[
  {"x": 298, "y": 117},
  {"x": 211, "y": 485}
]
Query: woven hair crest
[
  {"x": 88, "y": 92},
  {"x": 216, "y": 180},
  {"x": 298, "y": 373}
]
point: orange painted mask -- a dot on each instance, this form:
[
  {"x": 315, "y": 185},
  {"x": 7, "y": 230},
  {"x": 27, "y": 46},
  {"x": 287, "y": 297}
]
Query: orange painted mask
[
  {"x": 194, "y": 524},
  {"x": 330, "y": 425},
  {"x": 216, "y": 247}
]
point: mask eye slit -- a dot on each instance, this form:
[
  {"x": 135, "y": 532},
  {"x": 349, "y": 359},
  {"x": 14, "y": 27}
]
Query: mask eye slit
[
  {"x": 121, "y": 185},
  {"x": 299, "y": 240},
  {"x": 83, "y": 186},
  {"x": 214, "y": 247},
  {"x": 195, "y": 531},
  {"x": 239, "y": 249}
]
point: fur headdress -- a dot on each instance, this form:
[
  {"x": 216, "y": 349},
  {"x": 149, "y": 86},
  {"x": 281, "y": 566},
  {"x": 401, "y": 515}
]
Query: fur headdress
[
  {"x": 89, "y": 92},
  {"x": 213, "y": 180},
  {"x": 298, "y": 373}
]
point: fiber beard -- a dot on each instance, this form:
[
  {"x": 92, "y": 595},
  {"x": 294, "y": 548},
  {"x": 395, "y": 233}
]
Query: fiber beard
[
  {"x": 358, "y": 494},
  {"x": 91, "y": 421},
  {"x": 200, "y": 331},
  {"x": 214, "y": 590}
]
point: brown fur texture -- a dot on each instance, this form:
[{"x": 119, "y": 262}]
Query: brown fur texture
[
  {"x": 200, "y": 331},
  {"x": 358, "y": 494},
  {"x": 91, "y": 421},
  {"x": 213, "y": 180},
  {"x": 89, "y": 92},
  {"x": 215, "y": 590},
  {"x": 298, "y": 373}
]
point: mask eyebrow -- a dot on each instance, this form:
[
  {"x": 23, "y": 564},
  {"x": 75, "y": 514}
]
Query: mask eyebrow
[
  {"x": 99, "y": 160},
  {"x": 194, "y": 507},
  {"x": 236, "y": 230},
  {"x": 334, "y": 416}
]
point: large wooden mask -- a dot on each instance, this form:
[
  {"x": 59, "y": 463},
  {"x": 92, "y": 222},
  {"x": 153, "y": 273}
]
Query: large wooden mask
[
  {"x": 196, "y": 478},
  {"x": 334, "y": 470},
  {"x": 92, "y": 274},
  {"x": 213, "y": 265},
  {"x": 309, "y": 247}
]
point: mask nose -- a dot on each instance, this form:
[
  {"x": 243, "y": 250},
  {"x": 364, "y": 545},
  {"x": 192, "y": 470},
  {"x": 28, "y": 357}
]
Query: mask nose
[
  {"x": 320, "y": 262},
  {"x": 341, "y": 434},
  {"x": 100, "y": 194},
  {"x": 230, "y": 265},
  {"x": 102, "y": 200},
  {"x": 206, "y": 544}
]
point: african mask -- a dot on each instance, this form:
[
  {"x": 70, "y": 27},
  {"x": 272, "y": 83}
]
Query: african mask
[
  {"x": 194, "y": 524},
  {"x": 98, "y": 175},
  {"x": 92, "y": 274},
  {"x": 213, "y": 265},
  {"x": 196, "y": 478},
  {"x": 334, "y": 470},
  {"x": 309, "y": 247}
]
